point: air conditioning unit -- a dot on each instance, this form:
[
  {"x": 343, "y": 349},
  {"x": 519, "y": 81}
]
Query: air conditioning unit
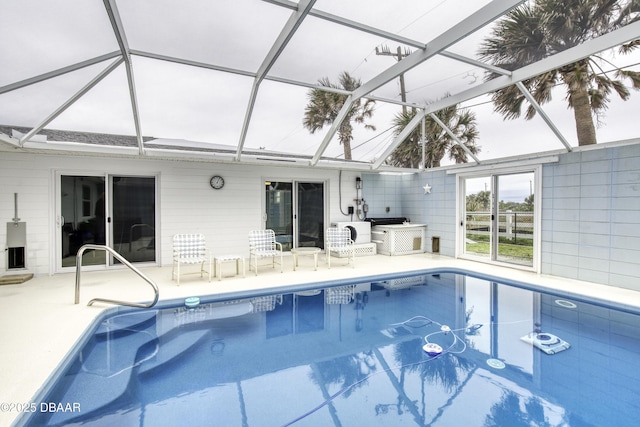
[{"x": 360, "y": 230}]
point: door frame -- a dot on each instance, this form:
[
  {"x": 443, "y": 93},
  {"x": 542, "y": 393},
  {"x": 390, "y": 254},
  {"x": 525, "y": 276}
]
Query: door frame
[
  {"x": 493, "y": 173},
  {"x": 59, "y": 220},
  {"x": 294, "y": 201},
  {"x": 57, "y": 234}
]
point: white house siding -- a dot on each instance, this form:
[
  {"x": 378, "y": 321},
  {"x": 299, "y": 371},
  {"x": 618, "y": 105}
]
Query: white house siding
[
  {"x": 186, "y": 202},
  {"x": 590, "y": 205},
  {"x": 30, "y": 179}
]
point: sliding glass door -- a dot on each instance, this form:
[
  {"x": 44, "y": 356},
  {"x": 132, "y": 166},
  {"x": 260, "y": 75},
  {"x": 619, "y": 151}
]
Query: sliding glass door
[
  {"x": 514, "y": 219},
  {"x": 279, "y": 211},
  {"x": 498, "y": 223},
  {"x": 117, "y": 211},
  {"x": 310, "y": 214},
  {"x": 295, "y": 211},
  {"x": 133, "y": 217},
  {"x": 81, "y": 218},
  {"x": 478, "y": 224}
]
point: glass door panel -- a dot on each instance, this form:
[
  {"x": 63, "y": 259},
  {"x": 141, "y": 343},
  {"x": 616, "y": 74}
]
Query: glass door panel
[
  {"x": 499, "y": 217},
  {"x": 82, "y": 218},
  {"x": 134, "y": 217},
  {"x": 279, "y": 209},
  {"x": 478, "y": 224},
  {"x": 515, "y": 219},
  {"x": 120, "y": 214},
  {"x": 310, "y": 214},
  {"x": 295, "y": 211}
]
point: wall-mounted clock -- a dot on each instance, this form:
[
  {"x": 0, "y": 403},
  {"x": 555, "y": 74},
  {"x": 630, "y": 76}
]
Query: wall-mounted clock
[{"x": 217, "y": 182}]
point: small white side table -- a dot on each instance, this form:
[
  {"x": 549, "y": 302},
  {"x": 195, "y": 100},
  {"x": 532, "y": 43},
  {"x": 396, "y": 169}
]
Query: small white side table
[
  {"x": 218, "y": 260},
  {"x": 305, "y": 251}
]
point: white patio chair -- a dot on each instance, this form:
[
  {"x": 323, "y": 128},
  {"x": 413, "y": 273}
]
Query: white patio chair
[
  {"x": 189, "y": 249},
  {"x": 338, "y": 243},
  {"x": 263, "y": 244}
]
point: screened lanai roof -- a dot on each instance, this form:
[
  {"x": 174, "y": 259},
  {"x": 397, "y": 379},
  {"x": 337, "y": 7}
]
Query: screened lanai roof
[{"x": 229, "y": 80}]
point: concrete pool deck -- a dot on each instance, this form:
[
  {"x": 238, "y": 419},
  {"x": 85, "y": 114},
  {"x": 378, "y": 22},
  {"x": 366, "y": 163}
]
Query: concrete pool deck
[{"x": 40, "y": 322}]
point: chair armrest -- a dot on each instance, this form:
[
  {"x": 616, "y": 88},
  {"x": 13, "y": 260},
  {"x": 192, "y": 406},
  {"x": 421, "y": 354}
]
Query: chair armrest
[{"x": 279, "y": 246}]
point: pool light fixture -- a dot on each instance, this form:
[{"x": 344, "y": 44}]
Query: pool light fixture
[
  {"x": 566, "y": 304},
  {"x": 496, "y": 363}
]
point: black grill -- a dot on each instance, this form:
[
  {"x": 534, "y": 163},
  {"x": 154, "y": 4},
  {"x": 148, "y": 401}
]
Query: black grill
[{"x": 386, "y": 221}]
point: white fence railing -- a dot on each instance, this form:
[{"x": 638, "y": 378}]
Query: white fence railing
[{"x": 510, "y": 224}]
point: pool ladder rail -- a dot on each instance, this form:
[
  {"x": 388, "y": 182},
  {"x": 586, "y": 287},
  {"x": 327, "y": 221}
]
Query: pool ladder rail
[{"x": 124, "y": 262}]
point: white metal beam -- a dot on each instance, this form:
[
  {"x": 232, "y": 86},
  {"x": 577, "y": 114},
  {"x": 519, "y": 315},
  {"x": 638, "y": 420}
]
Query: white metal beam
[
  {"x": 118, "y": 30},
  {"x": 8, "y": 139},
  {"x": 58, "y": 72},
  {"x": 404, "y": 134},
  {"x": 482, "y": 17},
  {"x": 251, "y": 74},
  {"x": 289, "y": 29},
  {"x": 571, "y": 55},
  {"x": 71, "y": 100},
  {"x": 543, "y": 114},
  {"x": 475, "y": 62},
  {"x": 453, "y": 136}
]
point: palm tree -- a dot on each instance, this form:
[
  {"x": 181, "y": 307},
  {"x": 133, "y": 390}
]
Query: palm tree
[
  {"x": 537, "y": 30},
  {"x": 438, "y": 142},
  {"x": 324, "y": 106}
]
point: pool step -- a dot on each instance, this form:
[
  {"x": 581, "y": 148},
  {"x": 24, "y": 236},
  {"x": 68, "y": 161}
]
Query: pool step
[
  {"x": 103, "y": 374},
  {"x": 173, "y": 346},
  {"x": 100, "y": 390},
  {"x": 125, "y": 324}
]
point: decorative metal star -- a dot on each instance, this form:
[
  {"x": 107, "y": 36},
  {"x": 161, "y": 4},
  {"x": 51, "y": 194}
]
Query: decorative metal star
[{"x": 427, "y": 189}]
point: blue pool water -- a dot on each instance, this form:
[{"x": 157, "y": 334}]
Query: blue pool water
[{"x": 352, "y": 355}]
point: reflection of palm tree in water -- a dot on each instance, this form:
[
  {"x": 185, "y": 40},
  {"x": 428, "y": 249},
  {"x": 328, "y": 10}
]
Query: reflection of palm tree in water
[
  {"x": 508, "y": 412},
  {"x": 443, "y": 370},
  {"x": 349, "y": 372},
  {"x": 448, "y": 370}
]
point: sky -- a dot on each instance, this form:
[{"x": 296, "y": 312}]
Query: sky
[{"x": 198, "y": 104}]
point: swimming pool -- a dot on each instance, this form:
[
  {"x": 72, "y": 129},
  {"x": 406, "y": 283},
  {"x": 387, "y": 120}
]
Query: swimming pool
[{"x": 437, "y": 348}]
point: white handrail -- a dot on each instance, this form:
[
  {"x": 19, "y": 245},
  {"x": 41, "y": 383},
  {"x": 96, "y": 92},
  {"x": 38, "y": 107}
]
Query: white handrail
[{"x": 123, "y": 261}]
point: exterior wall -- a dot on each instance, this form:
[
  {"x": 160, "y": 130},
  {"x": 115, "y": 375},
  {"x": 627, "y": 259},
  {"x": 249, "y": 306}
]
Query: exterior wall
[
  {"x": 591, "y": 216},
  {"x": 590, "y": 205},
  {"x": 381, "y": 192},
  {"x": 437, "y": 208},
  {"x": 186, "y": 202},
  {"x": 406, "y": 196},
  {"x": 590, "y": 212}
]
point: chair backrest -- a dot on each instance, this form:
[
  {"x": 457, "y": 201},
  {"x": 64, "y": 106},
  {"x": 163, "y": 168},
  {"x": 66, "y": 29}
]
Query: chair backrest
[
  {"x": 262, "y": 240},
  {"x": 189, "y": 245},
  {"x": 340, "y": 294},
  {"x": 338, "y": 237}
]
